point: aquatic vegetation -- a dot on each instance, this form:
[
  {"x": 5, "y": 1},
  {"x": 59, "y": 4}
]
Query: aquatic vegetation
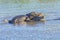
[
  {"x": 48, "y": 1},
  {"x": 14, "y": 1},
  {"x": 27, "y": 1}
]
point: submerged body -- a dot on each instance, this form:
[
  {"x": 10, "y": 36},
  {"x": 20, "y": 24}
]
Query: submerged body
[
  {"x": 23, "y": 19},
  {"x": 20, "y": 19}
]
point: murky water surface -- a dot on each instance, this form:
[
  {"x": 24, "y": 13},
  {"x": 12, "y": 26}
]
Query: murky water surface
[{"x": 50, "y": 30}]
